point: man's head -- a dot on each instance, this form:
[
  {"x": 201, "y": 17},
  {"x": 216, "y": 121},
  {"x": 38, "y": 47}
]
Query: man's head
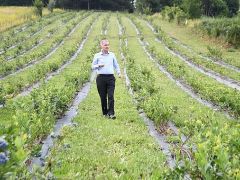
[{"x": 104, "y": 45}]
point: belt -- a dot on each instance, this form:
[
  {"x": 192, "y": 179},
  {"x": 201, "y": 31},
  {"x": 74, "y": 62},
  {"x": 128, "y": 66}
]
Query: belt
[{"x": 105, "y": 75}]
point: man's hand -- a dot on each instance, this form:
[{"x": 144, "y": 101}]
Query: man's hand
[{"x": 119, "y": 75}]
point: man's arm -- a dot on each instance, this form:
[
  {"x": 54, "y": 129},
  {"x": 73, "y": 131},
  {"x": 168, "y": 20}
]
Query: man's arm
[{"x": 116, "y": 66}]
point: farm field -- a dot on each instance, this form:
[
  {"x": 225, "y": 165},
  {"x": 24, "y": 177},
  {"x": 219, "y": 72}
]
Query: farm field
[
  {"x": 11, "y": 16},
  {"x": 177, "y": 113}
]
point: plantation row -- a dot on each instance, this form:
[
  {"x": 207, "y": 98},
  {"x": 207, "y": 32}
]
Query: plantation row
[
  {"x": 37, "y": 91},
  {"x": 223, "y": 71},
  {"x": 33, "y": 40},
  {"x": 49, "y": 101},
  {"x": 31, "y": 55},
  {"x": 164, "y": 101},
  {"x": 10, "y": 38},
  {"x": 226, "y": 97},
  {"x": 63, "y": 48},
  {"x": 194, "y": 40}
]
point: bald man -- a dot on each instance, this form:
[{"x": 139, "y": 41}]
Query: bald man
[{"x": 104, "y": 63}]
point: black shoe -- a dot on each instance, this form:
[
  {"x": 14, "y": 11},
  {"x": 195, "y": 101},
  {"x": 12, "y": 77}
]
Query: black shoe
[{"x": 112, "y": 116}]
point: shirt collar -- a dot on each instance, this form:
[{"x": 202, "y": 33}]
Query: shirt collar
[{"x": 102, "y": 53}]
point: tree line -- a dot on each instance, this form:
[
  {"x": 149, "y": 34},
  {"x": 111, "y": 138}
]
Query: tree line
[
  {"x": 120, "y": 5},
  {"x": 194, "y": 8}
]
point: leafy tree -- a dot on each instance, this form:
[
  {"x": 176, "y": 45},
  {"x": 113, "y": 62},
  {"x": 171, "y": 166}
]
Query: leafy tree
[
  {"x": 233, "y": 6},
  {"x": 149, "y": 6},
  {"x": 215, "y": 7},
  {"x": 15, "y": 2},
  {"x": 177, "y": 2},
  {"x": 38, "y": 4},
  {"x": 220, "y": 8},
  {"x": 120, "y": 5},
  {"x": 97, "y": 4},
  {"x": 51, "y": 5},
  {"x": 192, "y": 8}
]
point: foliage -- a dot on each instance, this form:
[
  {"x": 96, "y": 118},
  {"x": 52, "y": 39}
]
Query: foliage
[
  {"x": 192, "y": 8},
  {"x": 174, "y": 13},
  {"x": 38, "y": 4},
  {"x": 19, "y": 3},
  {"x": 220, "y": 7},
  {"x": 233, "y": 7},
  {"x": 226, "y": 98}
]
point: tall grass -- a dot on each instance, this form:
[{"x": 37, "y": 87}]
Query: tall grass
[
  {"x": 227, "y": 29},
  {"x": 12, "y": 16}
]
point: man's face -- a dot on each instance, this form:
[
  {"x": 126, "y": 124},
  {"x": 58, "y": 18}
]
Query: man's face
[{"x": 105, "y": 45}]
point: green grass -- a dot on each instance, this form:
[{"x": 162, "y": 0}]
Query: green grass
[
  {"x": 102, "y": 148},
  {"x": 6, "y": 116}
]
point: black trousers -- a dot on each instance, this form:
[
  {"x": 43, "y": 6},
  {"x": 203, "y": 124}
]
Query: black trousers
[{"x": 106, "y": 87}]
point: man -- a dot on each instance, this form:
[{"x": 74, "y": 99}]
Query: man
[{"x": 105, "y": 62}]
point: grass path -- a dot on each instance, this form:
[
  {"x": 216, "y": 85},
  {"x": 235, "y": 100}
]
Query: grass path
[{"x": 103, "y": 148}]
